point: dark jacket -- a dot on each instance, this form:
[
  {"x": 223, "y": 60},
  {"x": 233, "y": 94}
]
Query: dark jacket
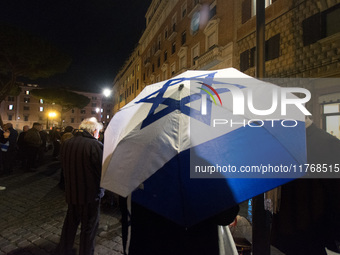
[
  {"x": 32, "y": 138},
  {"x": 308, "y": 219},
  {"x": 152, "y": 234},
  {"x": 12, "y": 139},
  {"x": 81, "y": 158},
  {"x": 21, "y": 140}
]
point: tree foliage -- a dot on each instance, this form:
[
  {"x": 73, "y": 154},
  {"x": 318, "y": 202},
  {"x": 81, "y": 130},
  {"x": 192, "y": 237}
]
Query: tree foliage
[
  {"x": 65, "y": 98},
  {"x": 24, "y": 55}
]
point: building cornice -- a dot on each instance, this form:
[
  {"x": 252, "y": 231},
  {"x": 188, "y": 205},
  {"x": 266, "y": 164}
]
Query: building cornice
[{"x": 165, "y": 8}]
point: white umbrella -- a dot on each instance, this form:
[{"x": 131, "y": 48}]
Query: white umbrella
[{"x": 162, "y": 140}]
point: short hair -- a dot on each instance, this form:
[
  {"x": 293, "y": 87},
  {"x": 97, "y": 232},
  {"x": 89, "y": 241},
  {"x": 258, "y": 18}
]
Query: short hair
[
  {"x": 36, "y": 124},
  {"x": 68, "y": 129},
  {"x": 90, "y": 125}
]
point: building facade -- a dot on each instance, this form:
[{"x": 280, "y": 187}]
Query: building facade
[
  {"x": 127, "y": 84},
  {"x": 302, "y": 41},
  {"x": 179, "y": 35},
  {"x": 25, "y": 109}
]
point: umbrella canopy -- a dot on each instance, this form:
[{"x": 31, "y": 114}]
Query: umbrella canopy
[{"x": 189, "y": 148}]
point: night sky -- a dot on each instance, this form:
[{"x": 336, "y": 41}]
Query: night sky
[{"x": 99, "y": 35}]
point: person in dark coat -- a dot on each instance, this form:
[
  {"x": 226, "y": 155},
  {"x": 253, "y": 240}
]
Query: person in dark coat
[
  {"x": 81, "y": 158},
  {"x": 22, "y": 146},
  {"x": 43, "y": 148},
  {"x": 153, "y": 234},
  {"x": 33, "y": 142},
  {"x": 308, "y": 220},
  {"x": 9, "y": 137},
  {"x": 56, "y": 139},
  {"x": 67, "y": 134}
]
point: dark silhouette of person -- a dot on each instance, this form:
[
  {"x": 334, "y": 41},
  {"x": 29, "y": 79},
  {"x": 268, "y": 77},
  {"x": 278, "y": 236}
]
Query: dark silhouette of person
[
  {"x": 308, "y": 220},
  {"x": 22, "y": 146},
  {"x": 153, "y": 234},
  {"x": 33, "y": 142},
  {"x": 42, "y": 149},
  {"x": 67, "y": 134},
  {"x": 81, "y": 158},
  {"x": 56, "y": 140},
  {"x": 9, "y": 137}
]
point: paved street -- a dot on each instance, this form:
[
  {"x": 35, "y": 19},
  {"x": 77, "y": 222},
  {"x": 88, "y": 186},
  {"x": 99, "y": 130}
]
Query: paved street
[{"x": 32, "y": 210}]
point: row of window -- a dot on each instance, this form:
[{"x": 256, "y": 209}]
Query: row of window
[
  {"x": 156, "y": 47},
  {"x": 315, "y": 28},
  {"x": 129, "y": 91},
  {"x": 10, "y": 117},
  {"x": 321, "y": 25},
  {"x": 93, "y": 111},
  {"x": 174, "y": 19},
  {"x": 26, "y": 108},
  {"x": 182, "y": 63},
  {"x": 26, "y": 118},
  {"x": 72, "y": 120},
  {"x": 41, "y": 109},
  {"x": 249, "y": 9},
  {"x": 26, "y": 99},
  {"x": 173, "y": 50},
  {"x": 272, "y": 51},
  {"x": 129, "y": 77},
  {"x": 41, "y": 101},
  {"x": 212, "y": 40}
]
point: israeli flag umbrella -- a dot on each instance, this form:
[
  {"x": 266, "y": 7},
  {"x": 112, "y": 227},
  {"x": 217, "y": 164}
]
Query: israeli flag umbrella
[{"x": 193, "y": 146}]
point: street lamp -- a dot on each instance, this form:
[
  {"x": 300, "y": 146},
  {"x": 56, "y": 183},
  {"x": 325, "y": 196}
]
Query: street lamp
[
  {"x": 107, "y": 92},
  {"x": 51, "y": 115}
]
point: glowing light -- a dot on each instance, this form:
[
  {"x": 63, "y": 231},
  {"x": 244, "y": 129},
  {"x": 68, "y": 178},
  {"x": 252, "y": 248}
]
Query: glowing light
[
  {"x": 107, "y": 92},
  {"x": 52, "y": 114}
]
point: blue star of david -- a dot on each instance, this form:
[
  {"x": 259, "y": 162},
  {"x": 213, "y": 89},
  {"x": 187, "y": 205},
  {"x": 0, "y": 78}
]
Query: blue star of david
[{"x": 174, "y": 104}]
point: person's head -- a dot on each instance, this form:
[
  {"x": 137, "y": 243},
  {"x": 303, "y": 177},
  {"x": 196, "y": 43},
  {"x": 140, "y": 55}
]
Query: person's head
[
  {"x": 68, "y": 129},
  {"x": 8, "y": 126},
  {"x": 92, "y": 126},
  {"x": 25, "y": 128},
  {"x": 37, "y": 126}
]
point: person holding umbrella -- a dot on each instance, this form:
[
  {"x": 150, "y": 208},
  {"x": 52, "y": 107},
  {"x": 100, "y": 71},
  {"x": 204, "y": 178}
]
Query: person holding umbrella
[
  {"x": 81, "y": 158},
  {"x": 153, "y": 234},
  {"x": 165, "y": 150}
]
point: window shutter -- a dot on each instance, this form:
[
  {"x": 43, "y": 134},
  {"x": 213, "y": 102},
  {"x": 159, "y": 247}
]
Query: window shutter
[
  {"x": 312, "y": 29},
  {"x": 252, "y": 57},
  {"x": 246, "y": 10},
  {"x": 273, "y": 47},
  {"x": 244, "y": 60}
]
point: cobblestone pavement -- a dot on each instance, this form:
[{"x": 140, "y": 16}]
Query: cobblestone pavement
[{"x": 32, "y": 210}]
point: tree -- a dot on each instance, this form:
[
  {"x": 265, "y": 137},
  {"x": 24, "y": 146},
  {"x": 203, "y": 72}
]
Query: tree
[
  {"x": 65, "y": 98},
  {"x": 26, "y": 56}
]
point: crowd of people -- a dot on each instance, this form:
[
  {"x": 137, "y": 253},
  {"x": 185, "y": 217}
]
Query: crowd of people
[
  {"x": 81, "y": 163},
  {"x": 80, "y": 174},
  {"x": 27, "y": 149},
  {"x": 304, "y": 228}
]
